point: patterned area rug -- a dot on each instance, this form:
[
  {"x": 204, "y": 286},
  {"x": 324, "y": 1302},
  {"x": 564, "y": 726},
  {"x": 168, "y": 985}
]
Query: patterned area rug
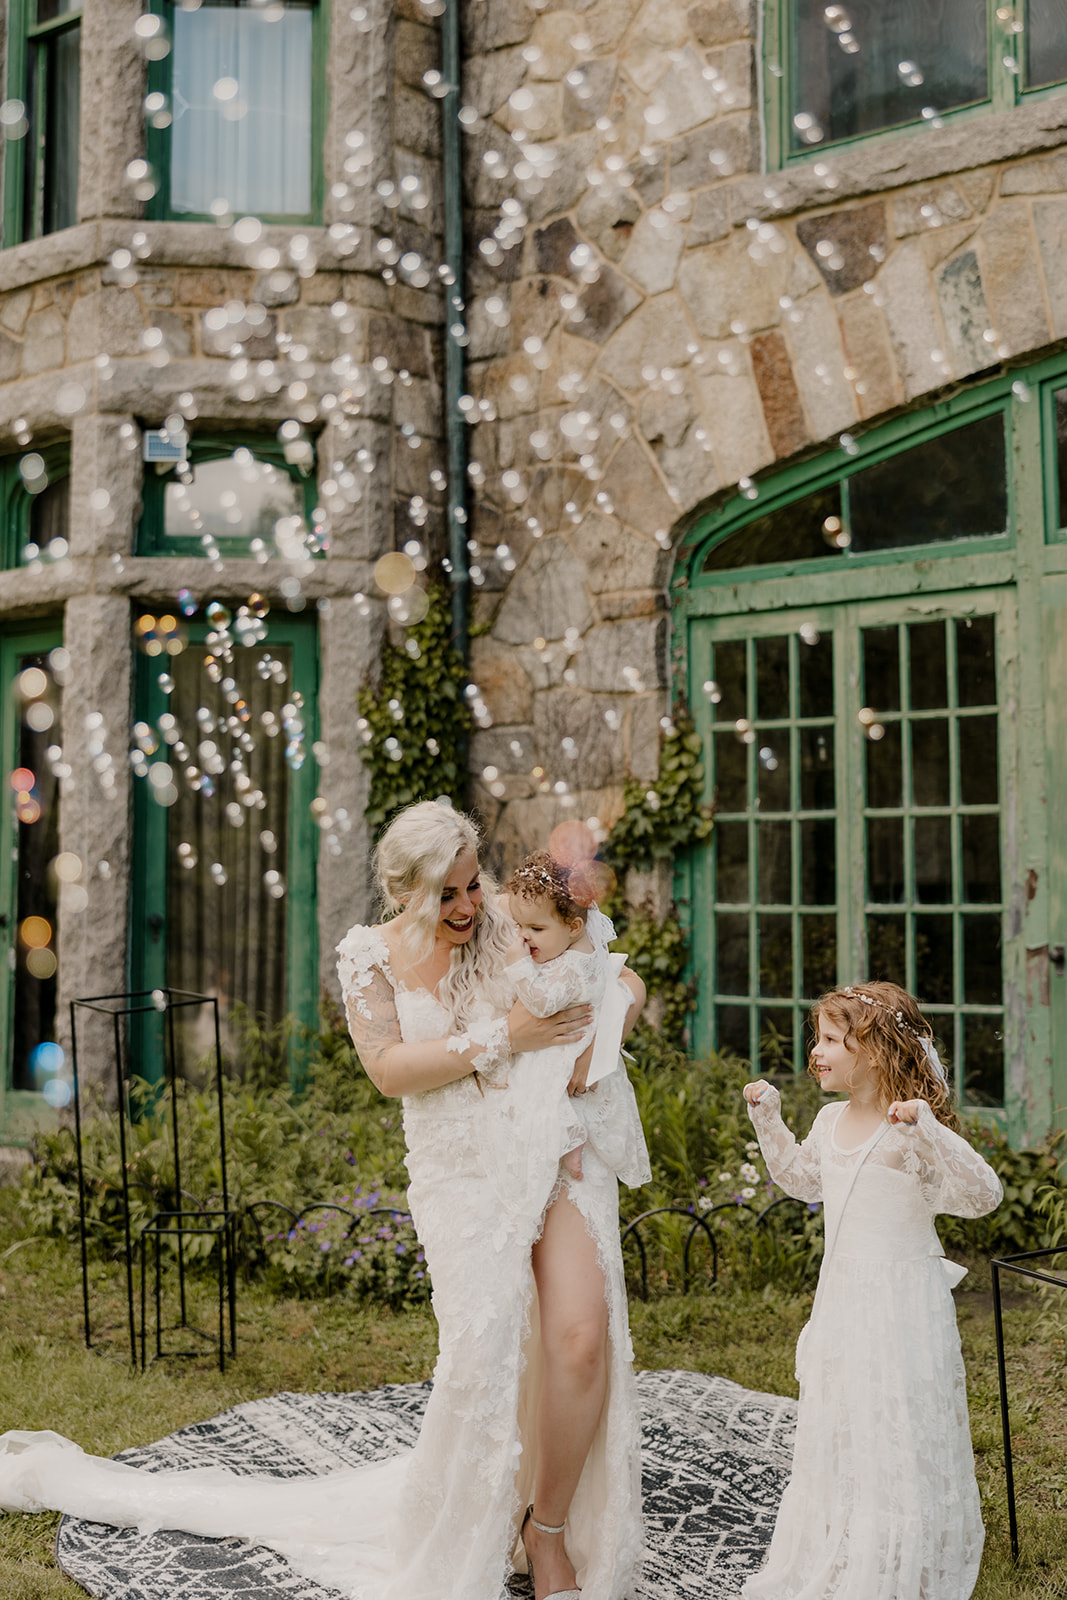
[{"x": 716, "y": 1458}]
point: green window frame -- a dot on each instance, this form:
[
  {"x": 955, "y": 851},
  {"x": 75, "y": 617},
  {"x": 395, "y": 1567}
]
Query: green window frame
[
  {"x": 22, "y": 1111},
  {"x": 32, "y": 205},
  {"x": 159, "y": 140},
  {"x": 16, "y": 503},
  {"x": 1006, "y": 86},
  {"x": 152, "y": 538},
  {"x": 148, "y": 911}
]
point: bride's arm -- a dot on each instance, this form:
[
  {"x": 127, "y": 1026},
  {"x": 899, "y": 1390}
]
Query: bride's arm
[{"x": 398, "y": 1069}]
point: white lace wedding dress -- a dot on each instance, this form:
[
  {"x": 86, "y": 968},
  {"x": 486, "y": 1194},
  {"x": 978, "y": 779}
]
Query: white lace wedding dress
[
  {"x": 439, "y": 1521},
  {"x": 882, "y": 1503}
]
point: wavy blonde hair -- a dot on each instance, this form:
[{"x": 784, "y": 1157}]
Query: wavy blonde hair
[
  {"x": 885, "y": 1023},
  {"x": 415, "y": 855}
]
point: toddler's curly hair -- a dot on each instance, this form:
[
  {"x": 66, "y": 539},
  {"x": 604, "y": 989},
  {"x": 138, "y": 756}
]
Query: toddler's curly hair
[
  {"x": 542, "y": 877},
  {"x": 885, "y": 1022}
]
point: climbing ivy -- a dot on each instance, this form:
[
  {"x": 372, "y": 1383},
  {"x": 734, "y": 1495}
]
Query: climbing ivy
[
  {"x": 415, "y": 720},
  {"x": 657, "y": 820},
  {"x": 660, "y": 818}
]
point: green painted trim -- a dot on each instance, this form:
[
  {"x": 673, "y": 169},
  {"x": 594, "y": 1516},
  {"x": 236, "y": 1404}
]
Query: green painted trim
[
  {"x": 779, "y": 64},
  {"x": 148, "y": 883},
  {"x": 14, "y": 152},
  {"x": 21, "y": 1111},
  {"x": 157, "y": 147},
  {"x": 455, "y": 422},
  {"x": 151, "y": 539},
  {"x": 16, "y": 505}
]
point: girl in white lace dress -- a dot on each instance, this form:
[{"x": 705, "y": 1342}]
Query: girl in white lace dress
[
  {"x": 882, "y": 1503},
  {"x": 533, "y": 1398}
]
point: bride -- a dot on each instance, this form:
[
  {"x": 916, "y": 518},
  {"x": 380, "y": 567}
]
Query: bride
[{"x": 533, "y": 1401}]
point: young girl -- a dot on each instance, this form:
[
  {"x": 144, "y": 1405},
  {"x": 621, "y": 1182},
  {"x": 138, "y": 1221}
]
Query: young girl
[
  {"x": 562, "y": 959},
  {"x": 882, "y": 1503}
]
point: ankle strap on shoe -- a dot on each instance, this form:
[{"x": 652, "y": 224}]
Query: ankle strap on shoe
[{"x": 543, "y": 1527}]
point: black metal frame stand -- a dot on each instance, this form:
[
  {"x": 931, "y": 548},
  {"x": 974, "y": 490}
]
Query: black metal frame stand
[
  {"x": 1011, "y": 1264},
  {"x": 178, "y": 1224}
]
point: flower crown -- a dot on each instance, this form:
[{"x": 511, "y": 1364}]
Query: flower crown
[
  {"x": 540, "y": 877},
  {"x": 929, "y": 1049}
]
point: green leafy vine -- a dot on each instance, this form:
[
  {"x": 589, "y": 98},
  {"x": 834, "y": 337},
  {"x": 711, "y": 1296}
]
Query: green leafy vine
[{"x": 415, "y": 721}]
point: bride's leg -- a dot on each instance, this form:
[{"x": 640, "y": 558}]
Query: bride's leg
[{"x": 574, "y": 1335}]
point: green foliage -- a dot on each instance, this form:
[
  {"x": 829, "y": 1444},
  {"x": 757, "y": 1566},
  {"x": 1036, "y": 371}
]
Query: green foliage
[
  {"x": 1033, "y": 1181},
  {"x": 668, "y": 815},
  {"x": 338, "y": 1144},
  {"x": 417, "y": 718},
  {"x": 657, "y": 820}
]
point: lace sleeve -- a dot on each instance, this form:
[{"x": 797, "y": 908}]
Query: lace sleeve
[
  {"x": 796, "y": 1168},
  {"x": 953, "y": 1176},
  {"x": 547, "y": 988},
  {"x": 370, "y": 1003},
  {"x": 486, "y": 1047}
]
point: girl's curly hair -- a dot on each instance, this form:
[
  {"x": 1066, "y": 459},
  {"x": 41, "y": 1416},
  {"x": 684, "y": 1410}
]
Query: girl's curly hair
[
  {"x": 885, "y": 1023},
  {"x": 542, "y": 877}
]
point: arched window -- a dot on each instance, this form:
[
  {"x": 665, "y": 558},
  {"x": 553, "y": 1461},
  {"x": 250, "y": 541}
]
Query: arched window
[{"x": 875, "y": 652}]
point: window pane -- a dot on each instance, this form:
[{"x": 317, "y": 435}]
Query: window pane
[
  {"x": 983, "y": 1060},
  {"x": 980, "y": 842},
  {"x": 881, "y": 668},
  {"x": 817, "y": 769},
  {"x": 238, "y": 497},
  {"x": 885, "y": 777},
  {"x": 1060, "y": 399},
  {"x": 253, "y": 149},
  {"x": 818, "y": 863},
  {"x": 772, "y": 772},
  {"x": 979, "y": 783},
  {"x": 775, "y": 857},
  {"x": 885, "y": 859},
  {"x": 982, "y": 985},
  {"x": 1046, "y": 43},
  {"x": 61, "y": 136},
  {"x": 226, "y": 932},
  {"x": 776, "y": 1040},
  {"x": 929, "y": 762},
  {"x": 853, "y": 61},
  {"x": 731, "y": 861},
  {"x": 731, "y": 962},
  {"x": 976, "y": 661},
  {"x": 49, "y": 10},
  {"x": 792, "y": 533},
  {"x": 776, "y": 955},
  {"x": 731, "y": 768},
  {"x": 772, "y": 679},
  {"x": 816, "y": 661},
  {"x": 933, "y": 959},
  {"x": 820, "y": 954},
  {"x": 927, "y": 666},
  {"x": 886, "y": 950},
  {"x": 37, "y": 843},
  {"x": 731, "y": 1030},
  {"x": 731, "y": 675},
  {"x": 50, "y": 514},
  {"x": 933, "y": 861},
  {"x": 952, "y": 487}
]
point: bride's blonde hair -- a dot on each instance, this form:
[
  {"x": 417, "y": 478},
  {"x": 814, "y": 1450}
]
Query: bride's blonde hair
[{"x": 415, "y": 855}]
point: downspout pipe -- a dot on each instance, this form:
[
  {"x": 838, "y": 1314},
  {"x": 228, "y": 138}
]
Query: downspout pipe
[{"x": 455, "y": 329}]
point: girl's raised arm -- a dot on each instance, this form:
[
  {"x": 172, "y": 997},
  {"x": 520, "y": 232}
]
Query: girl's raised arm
[
  {"x": 796, "y": 1168},
  {"x": 954, "y": 1177}
]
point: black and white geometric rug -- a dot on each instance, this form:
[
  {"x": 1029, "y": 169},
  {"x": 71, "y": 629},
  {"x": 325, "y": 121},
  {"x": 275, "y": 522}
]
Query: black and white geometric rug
[{"x": 716, "y": 1458}]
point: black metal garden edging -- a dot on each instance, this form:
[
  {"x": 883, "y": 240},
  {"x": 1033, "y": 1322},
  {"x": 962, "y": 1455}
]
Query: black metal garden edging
[
  {"x": 700, "y": 1222},
  {"x": 1012, "y": 1264},
  {"x": 172, "y": 1225}
]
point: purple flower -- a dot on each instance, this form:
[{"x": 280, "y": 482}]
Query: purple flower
[
  {"x": 400, "y": 1249},
  {"x": 325, "y": 1245}
]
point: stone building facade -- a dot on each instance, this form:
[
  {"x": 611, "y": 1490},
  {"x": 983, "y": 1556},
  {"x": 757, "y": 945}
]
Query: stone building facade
[{"x": 674, "y": 316}]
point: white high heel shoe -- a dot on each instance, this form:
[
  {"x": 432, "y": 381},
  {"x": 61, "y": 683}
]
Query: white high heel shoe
[{"x": 544, "y": 1527}]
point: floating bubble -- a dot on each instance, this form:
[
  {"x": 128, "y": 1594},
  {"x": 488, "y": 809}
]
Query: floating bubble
[
  {"x": 57, "y": 1093},
  {"x": 258, "y": 606},
  {"x": 187, "y": 856},
  {"x": 217, "y": 614},
  {"x": 219, "y": 875},
  {"x": 409, "y": 607},
  {"x": 394, "y": 573},
  {"x": 745, "y": 731},
  {"x": 32, "y": 683},
  {"x": 47, "y": 1059},
  {"x": 33, "y": 473},
  {"x": 70, "y": 397},
  {"x": 159, "y": 999},
  {"x": 67, "y": 866},
  {"x": 836, "y": 534},
  {"x": 35, "y": 932},
  {"x": 40, "y": 717},
  {"x": 712, "y": 690},
  {"x": 809, "y": 633}
]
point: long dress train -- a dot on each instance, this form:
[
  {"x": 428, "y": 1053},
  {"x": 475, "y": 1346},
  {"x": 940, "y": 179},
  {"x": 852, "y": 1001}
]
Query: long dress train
[{"x": 439, "y": 1521}]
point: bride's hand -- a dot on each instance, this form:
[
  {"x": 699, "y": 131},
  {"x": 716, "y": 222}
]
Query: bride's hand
[{"x": 528, "y": 1032}]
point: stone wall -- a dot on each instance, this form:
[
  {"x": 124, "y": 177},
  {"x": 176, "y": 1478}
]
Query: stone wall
[{"x": 664, "y": 320}]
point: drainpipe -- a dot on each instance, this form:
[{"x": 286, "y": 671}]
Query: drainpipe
[{"x": 455, "y": 319}]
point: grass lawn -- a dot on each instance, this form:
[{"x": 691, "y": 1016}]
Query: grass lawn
[{"x": 48, "y": 1379}]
